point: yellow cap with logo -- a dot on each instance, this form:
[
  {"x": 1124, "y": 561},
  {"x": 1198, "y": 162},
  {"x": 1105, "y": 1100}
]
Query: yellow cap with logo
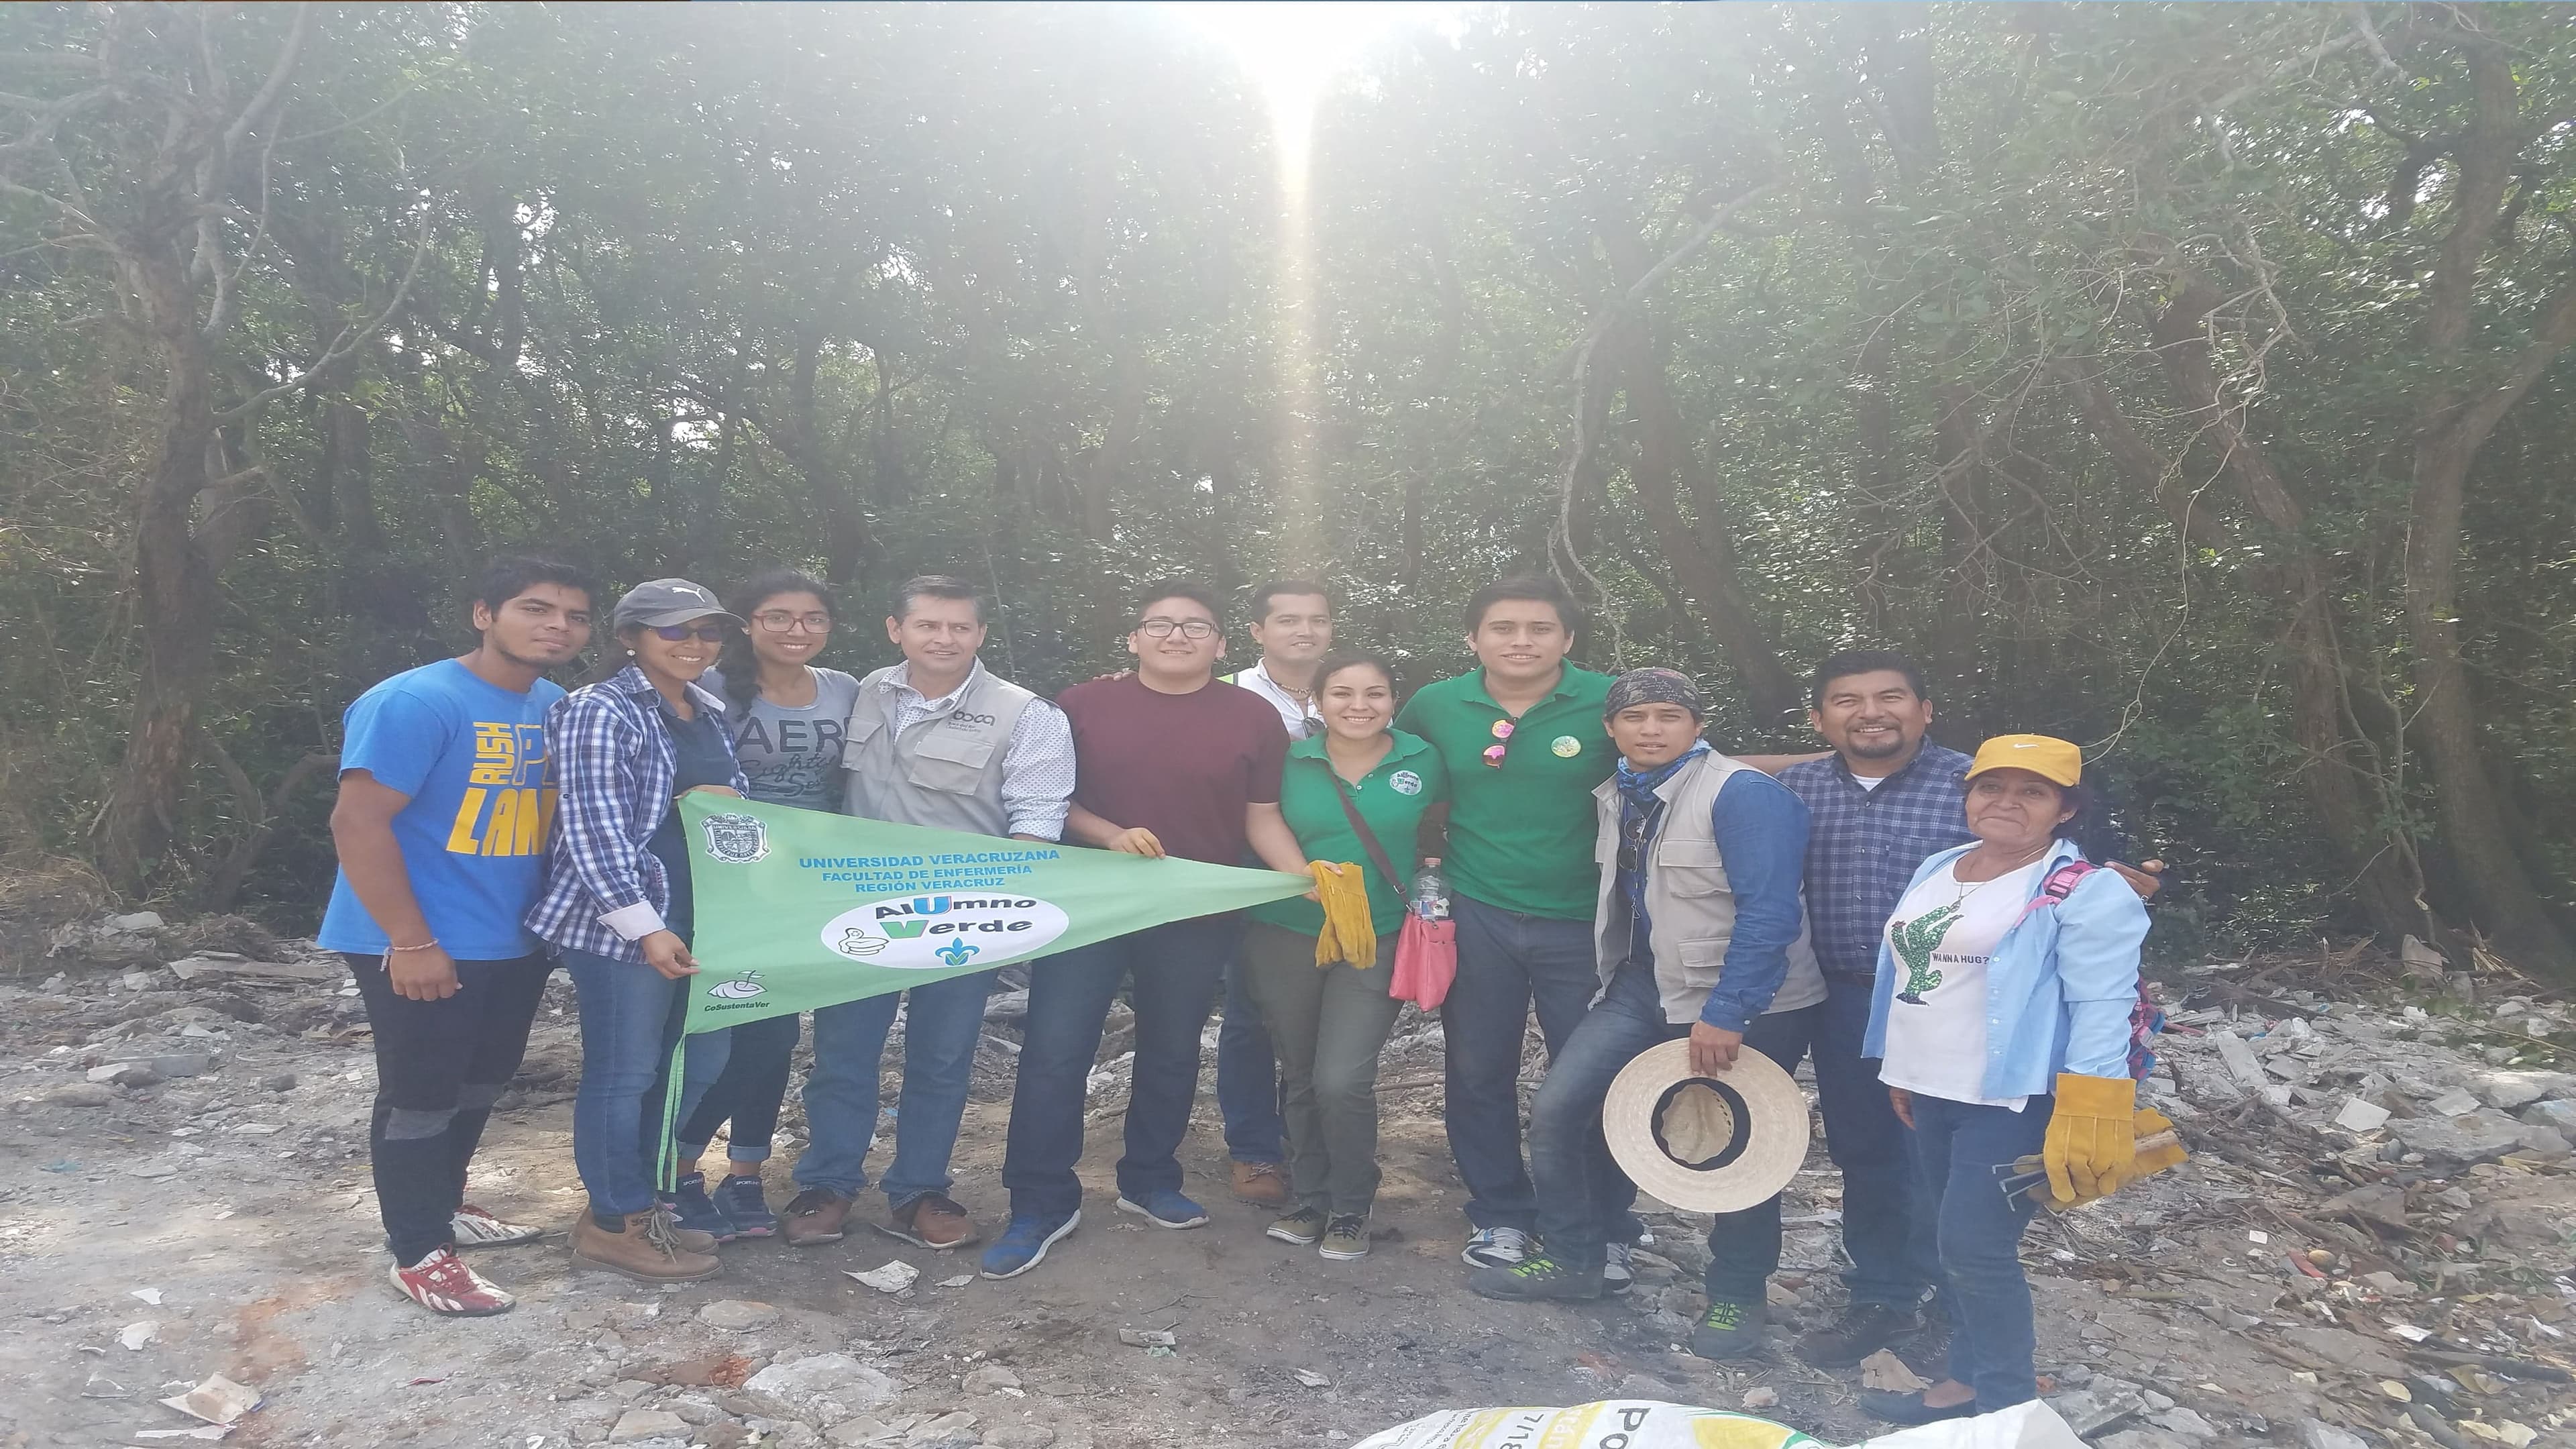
[{"x": 2042, "y": 755}]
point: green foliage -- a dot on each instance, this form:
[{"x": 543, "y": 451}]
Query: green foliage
[{"x": 1003, "y": 291}]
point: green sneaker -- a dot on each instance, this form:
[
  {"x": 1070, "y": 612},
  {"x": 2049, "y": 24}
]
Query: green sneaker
[
  {"x": 1302, "y": 1227},
  {"x": 1346, "y": 1239},
  {"x": 1728, "y": 1330},
  {"x": 1535, "y": 1278}
]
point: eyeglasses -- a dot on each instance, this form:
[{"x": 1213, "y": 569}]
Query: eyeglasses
[
  {"x": 1494, "y": 753},
  {"x": 778, "y": 623},
  {"x": 677, "y": 633},
  {"x": 1190, "y": 629}
]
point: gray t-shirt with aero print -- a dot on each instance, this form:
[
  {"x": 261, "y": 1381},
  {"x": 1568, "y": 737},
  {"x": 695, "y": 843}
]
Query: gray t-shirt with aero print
[{"x": 792, "y": 756}]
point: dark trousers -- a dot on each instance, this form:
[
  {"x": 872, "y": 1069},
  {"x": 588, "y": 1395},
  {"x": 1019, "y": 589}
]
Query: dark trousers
[
  {"x": 1174, "y": 971},
  {"x": 440, "y": 1065},
  {"x": 1506, "y": 962},
  {"x": 1247, "y": 1073},
  {"x": 1584, "y": 1199},
  {"x": 1331, "y": 1025},
  {"x": 749, "y": 1094},
  {"x": 1889, "y": 1245},
  {"x": 1957, "y": 1146}
]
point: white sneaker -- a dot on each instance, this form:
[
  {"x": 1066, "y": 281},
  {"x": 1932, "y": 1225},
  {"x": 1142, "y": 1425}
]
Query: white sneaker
[
  {"x": 475, "y": 1228},
  {"x": 443, "y": 1284},
  {"x": 1496, "y": 1248},
  {"x": 1616, "y": 1275}
]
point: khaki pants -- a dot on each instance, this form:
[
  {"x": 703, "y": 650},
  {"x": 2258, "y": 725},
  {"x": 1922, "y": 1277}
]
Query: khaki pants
[{"x": 1328, "y": 1025}]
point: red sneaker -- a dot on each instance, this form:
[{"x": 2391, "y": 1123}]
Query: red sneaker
[
  {"x": 475, "y": 1228},
  {"x": 443, "y": 1284}
]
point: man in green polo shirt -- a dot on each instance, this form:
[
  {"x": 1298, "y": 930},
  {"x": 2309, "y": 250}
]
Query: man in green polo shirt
[{"x": 1524, "y": 746}]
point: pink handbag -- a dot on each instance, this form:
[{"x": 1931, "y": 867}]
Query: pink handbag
[
  {"x": 1426, "y": 953},
  {"x": 1426, "y": 962}
]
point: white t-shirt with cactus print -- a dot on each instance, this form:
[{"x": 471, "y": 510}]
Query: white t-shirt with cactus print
[{"x": 1941, "y": 935}]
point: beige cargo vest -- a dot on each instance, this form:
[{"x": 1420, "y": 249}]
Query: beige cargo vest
[
  {"x": 944, "y": 772},
  {"x": 1687, "y": 897}
]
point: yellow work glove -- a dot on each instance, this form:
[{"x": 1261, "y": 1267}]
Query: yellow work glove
[
  {"x": 2092, "y": 1138},
  {"x": 1348, "y": 934},
  {"x": 2148, "y": 1123}
]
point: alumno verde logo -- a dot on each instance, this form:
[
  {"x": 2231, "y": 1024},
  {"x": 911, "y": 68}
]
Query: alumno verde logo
[{"x": 943, "y": 932}]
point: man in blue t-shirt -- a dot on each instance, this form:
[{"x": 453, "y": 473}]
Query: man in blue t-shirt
[{"x": 447, "y": 800}]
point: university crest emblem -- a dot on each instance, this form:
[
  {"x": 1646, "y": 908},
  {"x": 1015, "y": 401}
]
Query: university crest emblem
[{"x": 737, "y": 839}]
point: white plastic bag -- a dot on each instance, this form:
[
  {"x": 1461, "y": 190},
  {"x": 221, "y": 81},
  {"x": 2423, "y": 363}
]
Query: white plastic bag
[
  {"x": 1646, "y": 1424},
  {"x": 1610, "y": 1424}
]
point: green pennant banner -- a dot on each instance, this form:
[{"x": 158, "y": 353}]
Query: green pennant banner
[{"x": 798, "y": 909}]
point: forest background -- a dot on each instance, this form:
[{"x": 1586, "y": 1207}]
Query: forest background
[{"x": 2183, "y": 379}]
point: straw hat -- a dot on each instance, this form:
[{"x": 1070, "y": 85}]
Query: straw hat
[{"x": 1705, "y": 1144}]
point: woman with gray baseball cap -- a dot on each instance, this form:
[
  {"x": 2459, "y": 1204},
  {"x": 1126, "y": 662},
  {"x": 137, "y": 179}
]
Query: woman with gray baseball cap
[{"x": 616, "y": 908}]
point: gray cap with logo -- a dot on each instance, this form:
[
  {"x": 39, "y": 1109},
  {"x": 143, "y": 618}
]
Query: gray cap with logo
[{"x": 662, "y": 602}]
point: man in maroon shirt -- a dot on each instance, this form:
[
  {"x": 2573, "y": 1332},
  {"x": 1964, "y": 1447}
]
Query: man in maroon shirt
[{"x": 1168, "y": 760}]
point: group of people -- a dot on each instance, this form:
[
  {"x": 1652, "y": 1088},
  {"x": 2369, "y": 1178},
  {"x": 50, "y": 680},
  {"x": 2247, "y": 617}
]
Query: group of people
[{"x": 1917, "y": 923}]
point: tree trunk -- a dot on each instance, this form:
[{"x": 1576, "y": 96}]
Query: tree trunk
[
  {"x": 2452, "y": 423},
  {"x": 848, "y": 542},
  {"x": 174, "y": 587},
  {"x": 2358, "y": 827},
  {"x": 1096, "y": 479},
  {"x": 2501, "y": 895},
  {"x": 1701, "y": 553}
]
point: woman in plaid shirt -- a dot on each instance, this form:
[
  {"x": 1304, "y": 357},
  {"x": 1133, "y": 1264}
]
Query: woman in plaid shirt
[{"x": 616, "y": 908}]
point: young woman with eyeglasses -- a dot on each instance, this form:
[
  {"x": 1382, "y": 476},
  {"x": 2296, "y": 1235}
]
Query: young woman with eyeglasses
[
  {"x": 616, "y": 908},
  {"x": 786, "y": 716}
]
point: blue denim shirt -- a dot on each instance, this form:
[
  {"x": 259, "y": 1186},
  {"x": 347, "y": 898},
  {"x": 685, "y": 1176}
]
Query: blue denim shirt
[
  {"x": 1863, "y": 846},
  {"x": 2059, "y": 987}
]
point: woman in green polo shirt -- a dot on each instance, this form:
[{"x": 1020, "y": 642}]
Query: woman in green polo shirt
[{"x": 1329, "y": 1022}]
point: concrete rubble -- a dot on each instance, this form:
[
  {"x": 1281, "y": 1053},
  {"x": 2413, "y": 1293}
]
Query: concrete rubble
[{"x": 2378, "y": 1205}]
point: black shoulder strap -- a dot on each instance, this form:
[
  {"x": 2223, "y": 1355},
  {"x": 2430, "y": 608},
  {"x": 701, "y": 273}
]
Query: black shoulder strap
[{"x": 1368, "y": 838}]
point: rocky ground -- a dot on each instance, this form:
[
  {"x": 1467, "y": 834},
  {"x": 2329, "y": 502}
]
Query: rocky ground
[{"x": 2372, "y": 1246}]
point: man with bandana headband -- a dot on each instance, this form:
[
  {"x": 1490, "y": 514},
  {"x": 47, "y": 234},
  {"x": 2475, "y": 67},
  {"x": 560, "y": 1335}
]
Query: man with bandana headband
[{"x": 1700, "y": 934}]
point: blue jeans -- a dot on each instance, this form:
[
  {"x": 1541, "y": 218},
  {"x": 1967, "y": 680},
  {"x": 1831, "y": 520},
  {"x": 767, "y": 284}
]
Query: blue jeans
[
  {"x": 1247, "y": 1074},
  {"x": 1175, "y": 969},
  {"x": 1957, "y": 1146},
  {"x": 1584, "y": 1199},
  {"x": 748, "y": 1094},
  {"x": 941, "y": 1026},
  {"x": 1506, "y": 961},
  {"x": 1890, "y": 1247},
  {"x": 630, "y": 1018}
]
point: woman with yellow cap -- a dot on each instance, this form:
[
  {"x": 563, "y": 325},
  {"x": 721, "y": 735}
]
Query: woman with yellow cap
[{"x": 2006, "y": 981}]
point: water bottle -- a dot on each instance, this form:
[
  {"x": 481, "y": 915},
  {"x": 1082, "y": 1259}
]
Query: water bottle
[{"x": 1430, "y": 898}]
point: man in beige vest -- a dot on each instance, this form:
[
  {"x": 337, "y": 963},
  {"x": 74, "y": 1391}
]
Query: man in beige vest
[
  {"x": 940, "y": 741},
  {"x": 1700, "y": 933}
]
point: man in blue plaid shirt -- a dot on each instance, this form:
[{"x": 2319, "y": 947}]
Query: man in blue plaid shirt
[{"x": 1885, "y": 799}]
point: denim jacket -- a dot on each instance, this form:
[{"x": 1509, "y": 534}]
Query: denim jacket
[
  {"x": 2059, "y": 987},
  {"x": 614, "y": 763}
]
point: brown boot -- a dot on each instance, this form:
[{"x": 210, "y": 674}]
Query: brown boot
[
  {"x": 1262, "y": 1184},
  {"x": 932, "y": 1221},
  {"x": 814, "y": 1216},
  {"x": 645, "y": 1251}
]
